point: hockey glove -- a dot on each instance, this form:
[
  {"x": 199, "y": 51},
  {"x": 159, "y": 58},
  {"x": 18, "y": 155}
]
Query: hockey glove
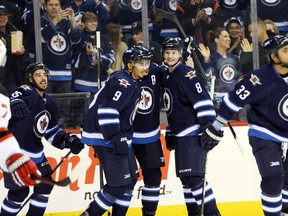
[
  {"x": 210, "y": 138},
  {"x": 21, "y": 167},
  {"x": 73, "y": 142},
  {"x": 19, "y": 108},
  {"x": 121, "y": 145},
  {"x": 170, "y": 140}
]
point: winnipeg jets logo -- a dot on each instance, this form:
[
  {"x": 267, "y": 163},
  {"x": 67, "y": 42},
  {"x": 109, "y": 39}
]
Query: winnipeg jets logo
[
  {"x": 255, "y": 80},
  {"x": 227, "y": 73},
  {"x": 230, "y": 3},
  {"x": 146, "y": 103},
  {"x": 172, "y": 5},
  {"x": 271, "y": 2},
  {"x": 168, "y": 101},
  {"x": 283, "y": 108},
  {"x": 136, "y": 5},
  {"x": 58, "y": 44},
  {"x": 191, "y": 75},
  {"x": 124, "y": 82},
  {"x": 41, "y": 123}
]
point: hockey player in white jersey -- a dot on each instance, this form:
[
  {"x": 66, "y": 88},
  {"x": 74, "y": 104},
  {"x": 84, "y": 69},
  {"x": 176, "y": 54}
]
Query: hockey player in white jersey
[{"x": 266, "y": 91}]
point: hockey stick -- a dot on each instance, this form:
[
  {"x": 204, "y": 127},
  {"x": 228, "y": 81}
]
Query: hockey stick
[
  {"x": 236, "y": 138},
  {"x": 188, "y": 40},
  {"x": 213, "y": 79},
  {"x": 203, "y": 186},
  {"x": 83, "y": 165},
  {"x": 56, "y": 167},
  {"x": 169, "y": 16},
  {"x": 60, "y": 163},
  {"x": 98, "y": 47}
]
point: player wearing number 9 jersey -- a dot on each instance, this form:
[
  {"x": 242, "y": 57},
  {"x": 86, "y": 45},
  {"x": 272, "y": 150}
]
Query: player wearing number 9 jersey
[
  {"x": 189, "y": 109},
  {"x": 108, "y": 128},
  {"x": 266, "y": 91}
]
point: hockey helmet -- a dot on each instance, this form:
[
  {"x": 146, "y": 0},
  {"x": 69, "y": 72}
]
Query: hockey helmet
[
  {"x": 136, "y": 53},
  {"x": 274, "y": 43},
  {"x": 32, "y": 68},
  {"x": 172, "y": 43}
]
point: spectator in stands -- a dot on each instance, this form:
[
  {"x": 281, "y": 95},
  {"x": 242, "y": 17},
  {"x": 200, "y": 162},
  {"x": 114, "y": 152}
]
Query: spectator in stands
[
  {"x": 168, "y": 28},
  {"x": 234, "y": 27},
  {"x": 223, "y": 65},
  {"x": 16, "y": 63},
  {"x": 275, "y": 11},
  {"x": 27, "y": 27},
  {"x": 59, "y": 32},
  {"x": 114, "y": 34},
  {"x": 270, "y": 26},
  {"x": 235, "y": 8},
  {"x": 82, "y": 6},
  {"x": 138, "y": 38},
  {"x": 14, "y": 13},
  {"x": 197, "y": 18},
  {"x": 246, "y": 56},
  {"x": 86, "y": 65},
  {"x": 129, "y": 11}
]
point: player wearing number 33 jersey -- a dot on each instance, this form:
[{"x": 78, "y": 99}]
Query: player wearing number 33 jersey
[{"x": 266, "y": 91}]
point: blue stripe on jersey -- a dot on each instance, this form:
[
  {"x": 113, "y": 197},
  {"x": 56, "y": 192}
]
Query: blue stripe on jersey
[
  {"x": 94, "y": 139},
  {"x": 231, "y": 105},
  {"x": 264, "y": 133},
  {"x": 37, "y": 157},
  {"x": 146, "y": 137},
  {"x": 190, "y": 131}
]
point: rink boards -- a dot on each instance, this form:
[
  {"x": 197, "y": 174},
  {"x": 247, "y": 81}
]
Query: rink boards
[{"x": 234, "y": 178}]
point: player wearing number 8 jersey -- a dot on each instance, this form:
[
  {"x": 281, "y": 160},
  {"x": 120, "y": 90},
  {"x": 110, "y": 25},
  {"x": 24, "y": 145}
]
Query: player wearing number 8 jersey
[
  {"x": 266, "y": 91},
  {"x": 189, "y": 109}
]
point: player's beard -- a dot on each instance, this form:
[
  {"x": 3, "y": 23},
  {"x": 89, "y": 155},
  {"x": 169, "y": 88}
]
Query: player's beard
[
  {"x": 41, "y": 87},
  {"x": 284, "y": 64}
]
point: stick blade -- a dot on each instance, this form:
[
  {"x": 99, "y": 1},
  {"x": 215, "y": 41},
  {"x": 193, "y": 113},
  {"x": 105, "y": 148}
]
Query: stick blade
[{"x": 84, "y": 163}]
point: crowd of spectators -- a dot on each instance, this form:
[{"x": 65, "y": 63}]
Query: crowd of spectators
[{"x": 69, "y": 40}]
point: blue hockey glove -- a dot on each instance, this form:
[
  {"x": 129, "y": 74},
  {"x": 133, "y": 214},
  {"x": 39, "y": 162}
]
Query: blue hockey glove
[
  {"x": 170, "y": 140},
  {"x": 211, "y": 137},
  {"x": 73, "y": 142},
  {"x": 121, "y": 145},
  {"x": 19, "y": 108}
]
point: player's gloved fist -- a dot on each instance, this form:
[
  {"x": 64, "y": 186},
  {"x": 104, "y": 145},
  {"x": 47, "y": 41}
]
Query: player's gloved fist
[
  {"x": 121, "y": 145},
  {"x": 21, "y": 167},
  {"x": 19, "y": 108},
  {"x": 170, "y": 140},
  {"x": 73, "y": 142},
  {"x": 210, "y": 138}
]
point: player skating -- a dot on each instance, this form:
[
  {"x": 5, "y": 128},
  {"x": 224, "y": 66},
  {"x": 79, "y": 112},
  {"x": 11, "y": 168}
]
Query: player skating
[
  {"x": 189, "y": 109},
  {"x": 266, "y": 91},
  {"x": 34, "y": 117},
  {"x": 108, "y": 129}
]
